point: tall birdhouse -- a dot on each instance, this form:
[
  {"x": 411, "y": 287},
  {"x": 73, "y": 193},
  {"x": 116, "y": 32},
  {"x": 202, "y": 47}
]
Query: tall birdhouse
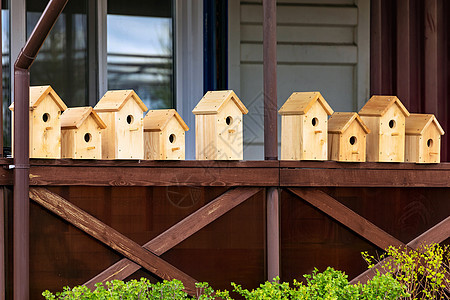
[
  {"x": 304, "y": 127},
  {"x": 385, "y": 117},
  {"x": 81, "y": 131},
  {"x": 122, "y": 111},
  {"x": 347, "y": 137},
  {"x": 45, "y": 124},
  {"x": 423, "y": 139},
  {"x": 164, "y": 131},
  {"x": 218, "y": 126}
]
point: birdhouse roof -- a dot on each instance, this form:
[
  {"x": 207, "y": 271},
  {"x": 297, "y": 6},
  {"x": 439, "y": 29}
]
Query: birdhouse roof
[
  {"x": 214, "y": 101},
  {"x": 378, "y": 106},
  {"x": 299, "y": 103},
  {"x": 340, "y": 121},
  {"x": 115, "y": 100},
  {"x": 156, "y": 120},
  {"x": 417, "y": 123},
  {"x": 74, "y": 117},
  {"x": 38, "y": 93}
]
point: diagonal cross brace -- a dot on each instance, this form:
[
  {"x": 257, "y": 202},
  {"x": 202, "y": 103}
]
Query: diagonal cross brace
[
  {"x": 179, "y": 232},
  {"x": 110, "y": 237},
  {"x": 347, "y": 217},
  {"x": 436, "y": 234}
]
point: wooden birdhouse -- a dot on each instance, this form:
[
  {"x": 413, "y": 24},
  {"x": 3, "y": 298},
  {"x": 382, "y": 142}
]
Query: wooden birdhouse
[
  {"x": 122, "y": 111},
  {"x": 45, "y": 124},
  {"x": 385, "y": 117},
  {"x": 218, "y": 126},
  {"x": 304, "y": 127},
  {"x": 347, "y": 137},
  {"x": 423, "y": 139},
  {"x": 164, "y": 132},
  {"x": 81, "y": 132}
]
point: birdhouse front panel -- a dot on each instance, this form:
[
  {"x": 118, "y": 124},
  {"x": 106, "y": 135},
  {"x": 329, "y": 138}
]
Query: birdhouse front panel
[
  {"x": 130, "y": 131},
  {"x": 392, "y": 135},
  {"x": 229, "y": 133},
  {"x": 348, "y": 146},
  {"x": 84, "y": 142},
  {"x": 424, "y": 148},
  {"x": 45, "y": 130},
  {"x": 314, "y": 138},
  {"x": 173, "y": 141}
]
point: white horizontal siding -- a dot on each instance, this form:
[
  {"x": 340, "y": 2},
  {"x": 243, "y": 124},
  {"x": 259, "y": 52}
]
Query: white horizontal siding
[
  {"x": 302, "y": 54},
  {"x": 301, "y": 34},
  {"x": 320, "y": 15}
]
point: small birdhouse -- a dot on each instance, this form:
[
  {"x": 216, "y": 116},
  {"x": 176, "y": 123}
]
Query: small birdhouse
[
  {"x": 81, "y": 132},
  {"x": 347, "y": 137},
  {"x": 423, "y": 139},
  {"x": 304, "y": 127},
  {"x": 122, "y": 111},
  {"x": 385, "y": 117},
  {"x": 218, "y": 126},
  {"x": 164, "y": 135},
  {"x": 45, "y": 124}
]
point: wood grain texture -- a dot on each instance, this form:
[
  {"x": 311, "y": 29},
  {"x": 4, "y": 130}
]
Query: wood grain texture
[
  {"x": 436, "y": 234},
  {"x": 115, "y": 176},
  {"x": 178, "y": 233},
  {"x": 110, "y": 237},
  {"x": 364, "y": 178},
  {"x": 347, "y": 217}
]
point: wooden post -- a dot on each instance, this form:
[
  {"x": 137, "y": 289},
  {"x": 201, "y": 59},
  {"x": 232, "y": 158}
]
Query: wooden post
[
  {"x": 270, "y": 79},
  {"x": 431, "y": 54},
  {"x": 273, "y": 233},
  {"x": 404, "y": 52}
]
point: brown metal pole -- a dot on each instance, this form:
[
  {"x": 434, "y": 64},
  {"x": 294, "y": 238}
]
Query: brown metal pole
[
  {"x": 21, "y": 146},
  {"x": 1, "y": 85},
  {"x": 273, "y": 233},
  {"x": 270, "y": 79}
]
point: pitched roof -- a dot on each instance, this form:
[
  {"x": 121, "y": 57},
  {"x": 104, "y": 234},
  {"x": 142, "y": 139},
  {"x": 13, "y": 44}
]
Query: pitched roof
[
  {"x": 156, "y": 120},
  {"x": 38, "y": 93},
  {"x": 299, "y": 103},
  {"x": 417, "y": 123},
  {"x": 340, "y": 121},
  {"x": 74, "y": 117},
  {"x": 378, "y": 106},
  {"x": 115, "y": 100},
  {"x": 214, "y": 101}
]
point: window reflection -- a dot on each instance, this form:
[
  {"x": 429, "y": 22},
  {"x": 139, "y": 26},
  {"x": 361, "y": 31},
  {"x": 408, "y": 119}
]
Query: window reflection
[
  {"x": 62, "y": 60},
  {"x": 140, "y": 51}
]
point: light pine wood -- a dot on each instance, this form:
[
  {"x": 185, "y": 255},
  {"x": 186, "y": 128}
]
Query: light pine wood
[
  {"x": 392, "y": 140},
  {"x": 206, "y": 137},
  {"x": 214, "y": 138},
  {"x": 343, "y": 130},
  {"x": 122, "y": 111},
  {"x": 385, "y": 117},
  {"x": 130, "y": 137},
  {"x": 423, "y": 139},
  {"x": 301, "y": 137},
  {"x": 77, "y": 124},
  {"x": 109, "y": 148},
  {"x": 164, "y": 135},
  {"x": 230, "y": 143}
]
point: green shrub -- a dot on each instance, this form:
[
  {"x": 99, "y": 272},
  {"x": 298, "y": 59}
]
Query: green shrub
[{"x": 424, "y": 272}]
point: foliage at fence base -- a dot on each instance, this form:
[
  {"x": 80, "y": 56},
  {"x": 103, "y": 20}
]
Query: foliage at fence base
[{"x": 330, "y": 284}]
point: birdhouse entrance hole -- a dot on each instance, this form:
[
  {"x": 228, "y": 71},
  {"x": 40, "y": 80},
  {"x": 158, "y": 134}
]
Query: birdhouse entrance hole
[
  {"x": 46, "y": 117},
  {"x": 430, "y": 143},
  {"x": 172, "y": 138},
  {"x": 229, "y": 120},
  {"x": 87, "y": 137},
  {"x": 315, "y": 122},
  {"x": 391, "y": 124},
  {"x": 130, "y": 119},
  {"x": 352, "y": 140}
]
